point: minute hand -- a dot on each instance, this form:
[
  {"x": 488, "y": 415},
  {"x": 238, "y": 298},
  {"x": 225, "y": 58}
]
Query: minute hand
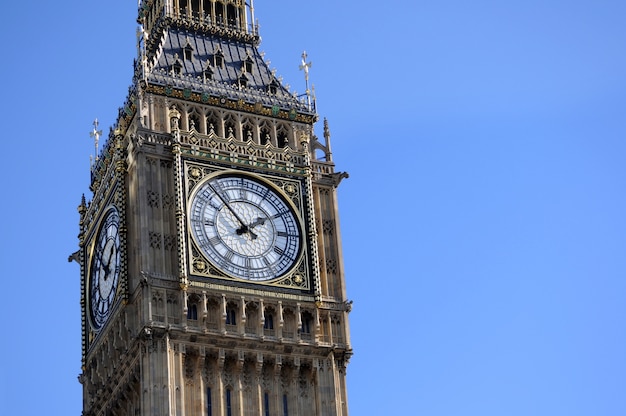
[{"x": 244, "y": 228}]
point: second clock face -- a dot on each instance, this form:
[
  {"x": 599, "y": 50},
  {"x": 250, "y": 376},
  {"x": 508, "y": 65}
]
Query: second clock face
[
  {"x": 105, "y": 269},
  {"x": 245, "y": 227}
]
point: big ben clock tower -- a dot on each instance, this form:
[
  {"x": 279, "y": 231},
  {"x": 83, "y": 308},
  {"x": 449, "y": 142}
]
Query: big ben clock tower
[{"x": 212, "y": 278}]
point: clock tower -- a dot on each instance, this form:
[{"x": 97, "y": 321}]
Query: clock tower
[{"x": 212, "y": 278}]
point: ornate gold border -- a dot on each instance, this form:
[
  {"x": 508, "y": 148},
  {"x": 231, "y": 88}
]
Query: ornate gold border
[{"x": 290, "y": 189}]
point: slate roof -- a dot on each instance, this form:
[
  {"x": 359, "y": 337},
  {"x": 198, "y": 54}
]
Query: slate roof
[{"x": 224, "y": 81}]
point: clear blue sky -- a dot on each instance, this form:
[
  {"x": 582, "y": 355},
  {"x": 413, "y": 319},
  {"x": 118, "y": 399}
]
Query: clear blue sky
[{"x": 483, "y": 223}]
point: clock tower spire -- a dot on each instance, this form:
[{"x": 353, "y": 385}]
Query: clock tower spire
[{"x": 212, "y": 278}]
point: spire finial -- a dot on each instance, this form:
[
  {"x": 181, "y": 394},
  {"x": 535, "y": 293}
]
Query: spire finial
[
  {"x": 95, "y": 134},
  {"x": 305, "y": 67}
]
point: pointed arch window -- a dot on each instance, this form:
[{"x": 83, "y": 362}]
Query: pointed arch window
[
  {"x": 231, "y": 316},
  {"x": 229, "y": 128},
  {"x": 219, "y": 12},
  {"x": 188, "y": 52},
  {"x": 266, "y": 404},
  {"x": 207, "y": 11},
  {"x": 229, "y": 404},
  {"x": 209, "y": 402},
  {"x": 273, "y": 87},
  {"x": 218, "y": 59},
  {"x": 282, "y": 139},
  {"x": 248, "y": 64},
  {"x": 247, "y": 132},
  {"x": 213, "y": 314},
  {"x": 195, "y": 8},
  {"x": 268, "y": 324},
  {"x": 192, "y": 312},
  {"x": 265, "y": 136},
  {"x": 212, "y": 122},
  {"x": 231, "y": 12},
  {"x": 307, "y": 322},
  {"x": 194, "y": 122},
  {"x": 282, "y": 135},
  {"x": 285, "y": 405},
  {"x": 208, "y": 73},
  {"x": 289, "y": 323}
]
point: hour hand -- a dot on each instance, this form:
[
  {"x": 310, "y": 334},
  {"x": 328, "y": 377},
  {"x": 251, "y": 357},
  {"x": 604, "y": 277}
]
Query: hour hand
[{"x": 258, "y": 221}]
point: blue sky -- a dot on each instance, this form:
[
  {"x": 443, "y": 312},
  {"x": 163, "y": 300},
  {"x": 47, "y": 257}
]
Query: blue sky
[{"x": 483, "y": 222}]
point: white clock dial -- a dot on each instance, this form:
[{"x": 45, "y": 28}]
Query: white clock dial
[
  {"x": 105, "y": 269},
  {"x": 245, "y": 227}
]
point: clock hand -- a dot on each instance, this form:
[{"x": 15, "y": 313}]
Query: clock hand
[
  {"x": 244, "y": 228},
  {"x": 258, "y": 221},
  {"x": 110, "y": 259}
]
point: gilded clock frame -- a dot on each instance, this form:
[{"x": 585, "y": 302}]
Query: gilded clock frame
[{"x": 291, "y": 189}]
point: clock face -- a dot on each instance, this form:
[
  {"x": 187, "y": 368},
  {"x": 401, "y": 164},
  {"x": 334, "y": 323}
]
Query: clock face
[
  {"x": 105, "y": 269},
  {"x": 245, "y": 227}
]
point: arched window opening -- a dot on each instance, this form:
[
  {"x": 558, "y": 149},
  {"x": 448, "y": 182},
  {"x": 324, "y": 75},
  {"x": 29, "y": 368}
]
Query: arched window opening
[
  {"x": 266, "y": 404},
  {"x": 252, "y": 318},
  {"x": 289, "y": 325},
  {"x": 265, "y": 136},
  {"x": 337, "y": 329},
  {"x": 219, "y": 13},
  {"x": 282, "y": 135},
  {"x": 282, "y": 139},
  {"x": 188, "y": 53},
  {"x": 231, "y": 315},
  {"x": 230, "y": 131},
  {"x": 247, "y": 64},
  {"x": 209, "y": 402},
  {"x": 285, "y": 405},
  {"x": 231, "y": 12},
  {"x": 218, "y": 59},
  {"x": 194, "y": 122},
  {"x": 207, "y": 11},
  {"x": 212, "y": 313},
  {"x": 307, "y": 322},
  {"x": 173, "y": 311},
  {"x": 212, "y": 124},
  {"x": 247, "y": 133},
  {"x": 192, "y": 312},
  {"x": 159, "y": 311},
  {"x": 229, "y": 403},
  {"x": 268, "y": 324},
  {"x": 325, "y": 330},
  {"x": 207, "y": 73},
  {"x": 273, "y": 87},
  {"x": 195, "y": 8}
]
